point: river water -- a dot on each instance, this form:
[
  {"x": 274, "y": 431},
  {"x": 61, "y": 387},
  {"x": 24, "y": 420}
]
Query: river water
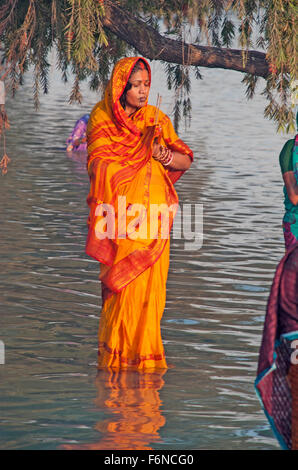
[{"x": 51, "y": 394}]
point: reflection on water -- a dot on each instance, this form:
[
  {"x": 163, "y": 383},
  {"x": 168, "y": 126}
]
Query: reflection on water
[
  {"x": 216, "y": 296},
  {"x": 133, "y": 399}
]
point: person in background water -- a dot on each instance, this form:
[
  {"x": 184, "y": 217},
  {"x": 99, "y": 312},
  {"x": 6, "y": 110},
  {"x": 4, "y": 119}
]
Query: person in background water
[
  {"x": 77, "y": 140},
  {"x": 288, "y": 160}
]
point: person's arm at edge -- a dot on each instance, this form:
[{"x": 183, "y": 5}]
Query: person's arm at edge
[
  {"x": 291, "y": 186},
  {"x": 286, "y": 165}
]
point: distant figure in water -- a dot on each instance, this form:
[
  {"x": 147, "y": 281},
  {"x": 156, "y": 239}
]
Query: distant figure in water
[
  {"x": 77, "y": 140},
  {"x": 288, "y": 160}
]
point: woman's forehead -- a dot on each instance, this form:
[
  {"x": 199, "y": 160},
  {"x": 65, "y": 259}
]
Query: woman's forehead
[{"x": 139, "y": 76}]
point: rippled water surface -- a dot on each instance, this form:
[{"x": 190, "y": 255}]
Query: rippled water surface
[{"x": 51, "y": 394}]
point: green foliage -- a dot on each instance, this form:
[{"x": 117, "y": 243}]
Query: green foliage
[
  {"x": 31, "y": 29},
  {"x": 178, "y": 78}
]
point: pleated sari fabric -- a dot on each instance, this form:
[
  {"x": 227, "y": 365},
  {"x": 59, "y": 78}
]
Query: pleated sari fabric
[
  {"x": 277, "y": 380},
  {"x": 132, "y": 203}
]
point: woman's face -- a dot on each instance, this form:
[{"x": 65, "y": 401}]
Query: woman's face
[{"x": 137, "y": 96}]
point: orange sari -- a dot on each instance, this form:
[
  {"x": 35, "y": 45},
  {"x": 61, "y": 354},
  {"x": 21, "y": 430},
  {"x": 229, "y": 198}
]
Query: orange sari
[{"x": 133, "y": 251}]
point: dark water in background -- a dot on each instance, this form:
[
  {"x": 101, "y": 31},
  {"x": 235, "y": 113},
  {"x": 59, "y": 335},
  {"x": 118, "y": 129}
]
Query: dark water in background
[{"x": 50, "y": 392}]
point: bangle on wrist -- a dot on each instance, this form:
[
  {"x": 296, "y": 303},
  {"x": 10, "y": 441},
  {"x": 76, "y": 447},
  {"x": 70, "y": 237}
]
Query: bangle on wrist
[
  {"x": 165, "y": 156},
  {"x": 169, "y": 159}
]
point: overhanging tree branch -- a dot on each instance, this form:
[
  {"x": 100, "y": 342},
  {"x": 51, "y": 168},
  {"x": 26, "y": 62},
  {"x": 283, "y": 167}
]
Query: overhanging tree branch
[
  {"x": 90, "y": 35},
  {"x": 151, "y": 44}
]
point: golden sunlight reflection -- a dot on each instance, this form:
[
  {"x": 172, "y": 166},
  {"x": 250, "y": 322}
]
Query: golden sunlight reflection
[{"x": 132, "y": 401}]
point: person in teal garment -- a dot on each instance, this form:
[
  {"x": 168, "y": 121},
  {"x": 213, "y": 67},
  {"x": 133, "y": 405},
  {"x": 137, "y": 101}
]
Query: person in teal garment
[{"x": 288, "y": 160}]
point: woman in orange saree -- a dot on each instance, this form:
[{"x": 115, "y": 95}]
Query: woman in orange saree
[{"x": 134, "y": 159}]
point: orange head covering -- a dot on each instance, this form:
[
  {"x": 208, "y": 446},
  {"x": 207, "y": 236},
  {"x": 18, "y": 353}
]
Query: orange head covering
[
  {"x": 111, "y": 133},
  {"x": 116, "y": 87}
]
